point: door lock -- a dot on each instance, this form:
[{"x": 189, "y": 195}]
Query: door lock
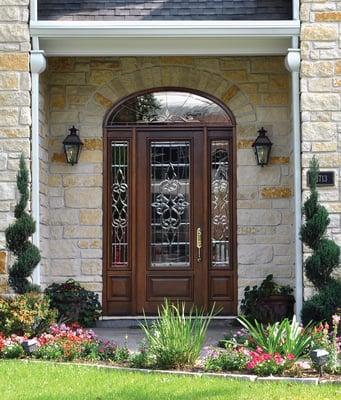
[{"x": 199, "y": 243}]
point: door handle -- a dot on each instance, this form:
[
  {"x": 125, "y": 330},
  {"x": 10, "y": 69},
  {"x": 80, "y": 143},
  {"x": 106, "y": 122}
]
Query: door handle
[{"x": 199, "y": 243}]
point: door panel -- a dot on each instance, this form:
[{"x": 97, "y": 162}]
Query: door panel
[{"x": 169, "y": 221}]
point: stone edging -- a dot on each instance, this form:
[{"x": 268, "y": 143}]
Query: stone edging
[{"x": 244, "y": 377}]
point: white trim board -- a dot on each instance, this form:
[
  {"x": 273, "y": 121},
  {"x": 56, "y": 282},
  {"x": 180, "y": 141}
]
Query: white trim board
[
  {"x": 164, "y": 28},
  {"x": 164, "y": 46},
  {"x": 147, "y": 38}
]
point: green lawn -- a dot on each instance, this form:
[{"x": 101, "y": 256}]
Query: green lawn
[{"x": 40, "y": 381}]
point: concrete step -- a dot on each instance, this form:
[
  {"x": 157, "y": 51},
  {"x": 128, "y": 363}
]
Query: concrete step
[{"x": 133, "y": 322}]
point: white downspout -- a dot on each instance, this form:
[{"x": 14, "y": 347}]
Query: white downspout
[
  {"x": 38, "y": 65},
  {"x": 292, "y": 62}
]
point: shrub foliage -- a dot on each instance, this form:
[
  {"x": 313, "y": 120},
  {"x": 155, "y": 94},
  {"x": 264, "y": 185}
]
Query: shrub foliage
[
  {"x": 17, "y": 238},
  {"x": 324, "y": 259}
]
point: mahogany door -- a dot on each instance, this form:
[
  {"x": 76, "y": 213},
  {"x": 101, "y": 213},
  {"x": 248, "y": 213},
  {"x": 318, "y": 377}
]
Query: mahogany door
[{"x": 169, "y": 220}]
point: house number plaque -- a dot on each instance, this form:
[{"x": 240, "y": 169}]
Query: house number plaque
[{"x": 325, "y": 178}]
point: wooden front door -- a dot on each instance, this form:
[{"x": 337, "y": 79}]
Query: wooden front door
[{"x": 169, "y": 229}]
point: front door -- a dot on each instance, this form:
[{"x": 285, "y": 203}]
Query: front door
[{"x": 169, "y": 220}]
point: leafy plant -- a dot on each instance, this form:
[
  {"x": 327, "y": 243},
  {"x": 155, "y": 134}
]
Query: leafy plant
[
  {"x": 262, "y": 363},
  {"x": 74, "y": 303},
  {"x": 252, "y": 304},
  {"x": 175, "y": 339},
  {"x": 28, "y": 314},
  {"x": 325, "y": 257},
  {"x": 225, "y": 360},
  {"x": 286, "y": 337},
  {"x": 17, "y": 239},
  {"x": 13, "y": 350}
]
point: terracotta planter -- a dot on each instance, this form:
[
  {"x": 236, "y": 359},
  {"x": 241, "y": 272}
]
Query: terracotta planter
[{"x": 277, "y": 307}]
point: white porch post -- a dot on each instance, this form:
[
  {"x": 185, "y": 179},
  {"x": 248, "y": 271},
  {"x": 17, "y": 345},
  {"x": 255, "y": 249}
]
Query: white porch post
[
  {"x": 292, "y": 63},
  {"x": 38, "y": 65}
]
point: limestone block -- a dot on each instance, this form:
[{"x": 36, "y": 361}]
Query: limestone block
[
  {"x": 65, "y": 268},
  {"x": 9, "y": 80},
  {"x": 81, "y": 180},
  {"x": 91, "y": 156},
  {"x": 257, "y": 254},
  {"x": 14, "y": 98},
  {"x": 328, "y": 16},
  {"x": 319, "y": 32},
  {"x": 318, "y": 68},
  {"x": 90, "y": 244},
  {"x": 258, "y": 217},
  {"x": 64, "y": 248},
  {"x": 3, "y": 262},
  {"x": 320, "y": 102},
  {"x": 319, "y": 131},
  {"x": 276, "y": 192},
  {"x": 82, "y": 232},
  {"x": 9, "y": 117},
  {"x": 249, "y": 175},
  {"x": 65, "y": 216},
  {"x": 91, "y": 253},
  {"x": 91, "y": 267},
  {"x": 7, "y": 191},
  {"x": 14, "y": 32},
  {"x": 25, "y": 116},
  {"x": 90, "y": 217},
  {"x": 83, "y": 197}
]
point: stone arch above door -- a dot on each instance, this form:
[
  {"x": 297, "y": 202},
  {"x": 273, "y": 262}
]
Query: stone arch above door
[{"x": 214, "y": 84}]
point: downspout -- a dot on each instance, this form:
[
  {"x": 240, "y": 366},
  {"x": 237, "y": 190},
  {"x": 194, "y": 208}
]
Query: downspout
[
  {"x": 38, "y": 65},
  {"x": 292, "y": 63}
]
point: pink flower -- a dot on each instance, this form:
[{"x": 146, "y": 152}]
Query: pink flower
[
  {"x": 290, "y": 357},
  {"x": 336, "y": 319}
]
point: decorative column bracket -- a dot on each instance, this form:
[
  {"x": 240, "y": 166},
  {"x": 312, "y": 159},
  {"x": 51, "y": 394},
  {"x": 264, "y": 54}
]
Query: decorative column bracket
[{"x": 293, "y": 60}]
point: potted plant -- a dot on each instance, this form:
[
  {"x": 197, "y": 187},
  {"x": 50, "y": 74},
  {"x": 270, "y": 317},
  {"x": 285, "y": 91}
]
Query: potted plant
[{"x": 270, "y": 302}]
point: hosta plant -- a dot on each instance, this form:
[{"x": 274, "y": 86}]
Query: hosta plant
[
  {"x": 286, "y": 337},
  {"x": 175, "y": 339}
]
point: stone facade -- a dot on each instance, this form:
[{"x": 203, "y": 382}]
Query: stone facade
[
  {"x": 15, "y": 113},
  {"x": 321, "y": 99},
  {"x": 82, "y": 90}
]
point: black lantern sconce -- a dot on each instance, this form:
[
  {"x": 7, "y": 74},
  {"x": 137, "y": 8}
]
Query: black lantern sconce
[
  {"x": 262, "y": 147},
  {"x": 72, "y": 146}
]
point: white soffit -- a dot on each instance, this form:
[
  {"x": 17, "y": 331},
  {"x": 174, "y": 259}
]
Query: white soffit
[{"x": 126, "y": 38}]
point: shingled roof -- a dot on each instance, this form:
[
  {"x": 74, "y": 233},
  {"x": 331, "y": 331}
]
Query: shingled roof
[{"x": 164, "y": 10}]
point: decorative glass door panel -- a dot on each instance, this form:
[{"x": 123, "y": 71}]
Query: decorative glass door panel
[
  {"x": 170, "y": 204},
  {"x": 220, "y": 204}
]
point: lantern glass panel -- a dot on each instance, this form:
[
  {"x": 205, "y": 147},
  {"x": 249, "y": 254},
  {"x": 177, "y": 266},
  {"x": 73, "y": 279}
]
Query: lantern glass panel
[
  {"x": 262, "y": 154},
  {"x": 71, "y": 151}
]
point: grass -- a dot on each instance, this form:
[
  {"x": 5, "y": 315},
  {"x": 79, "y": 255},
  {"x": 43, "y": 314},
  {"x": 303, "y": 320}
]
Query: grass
[{"x": 40, "y": 381}]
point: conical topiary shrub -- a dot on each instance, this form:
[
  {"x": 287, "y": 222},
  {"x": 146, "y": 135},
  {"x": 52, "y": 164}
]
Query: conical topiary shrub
[
  {"x": 17, "y": 238},
  {"x": 325, "y": 256}
]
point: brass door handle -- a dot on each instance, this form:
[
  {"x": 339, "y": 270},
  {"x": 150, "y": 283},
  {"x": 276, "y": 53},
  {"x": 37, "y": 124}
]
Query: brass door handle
[{"x": 199, "y": 243}]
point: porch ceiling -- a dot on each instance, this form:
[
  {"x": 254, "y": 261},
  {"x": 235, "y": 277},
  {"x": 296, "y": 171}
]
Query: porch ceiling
[{"x": 65, "y": 38}]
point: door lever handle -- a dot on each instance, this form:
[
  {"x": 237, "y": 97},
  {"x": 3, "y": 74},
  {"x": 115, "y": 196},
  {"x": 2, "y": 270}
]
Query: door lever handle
[{"x": 199, "y": 243}]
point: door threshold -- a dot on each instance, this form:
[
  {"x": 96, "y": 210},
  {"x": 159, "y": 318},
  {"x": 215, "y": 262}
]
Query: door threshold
[{"x": 133, "y": 322}]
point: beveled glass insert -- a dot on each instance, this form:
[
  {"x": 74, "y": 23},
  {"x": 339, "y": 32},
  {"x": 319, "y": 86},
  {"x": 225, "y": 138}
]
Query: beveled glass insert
[
  {"x": 119, "y": 194},
  {"x": 219, "y": 203},
  {"x": 169, "y": 107},
  {"x": 170, "y": 203}
]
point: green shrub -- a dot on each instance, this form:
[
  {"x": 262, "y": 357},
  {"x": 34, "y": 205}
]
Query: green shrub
[
  {"x": 286, "y": 337},
  {"x": 17, "y": 238},
  {"x": 26, "y": 315},
  {"x": 52, "y": 351},
  {"x": 74, "y": 303},
  {"x": 175, "y": 339},
  {"x": 323, "y": 305},
  {"x": 324, "y": 259},
  {"x": 13, "y": 350}
]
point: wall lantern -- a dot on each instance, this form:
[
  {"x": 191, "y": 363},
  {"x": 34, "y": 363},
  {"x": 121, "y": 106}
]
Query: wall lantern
[
  {"x": 262, "y": 147},
  {"x": 72, "y": 146}
]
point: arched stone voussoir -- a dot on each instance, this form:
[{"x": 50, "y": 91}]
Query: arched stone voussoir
[{"x": 177, "y": 76}]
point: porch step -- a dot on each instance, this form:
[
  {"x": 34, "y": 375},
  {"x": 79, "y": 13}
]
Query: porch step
[{"x": 133, "y": 322}]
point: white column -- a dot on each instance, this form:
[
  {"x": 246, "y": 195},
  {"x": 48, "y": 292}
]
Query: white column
[
  {"x": 38, "y": 65},
  {"x": 292, "y": 63}
]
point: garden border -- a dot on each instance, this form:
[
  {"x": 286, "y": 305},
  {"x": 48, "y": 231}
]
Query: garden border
[{"x": 246, "y": 377}]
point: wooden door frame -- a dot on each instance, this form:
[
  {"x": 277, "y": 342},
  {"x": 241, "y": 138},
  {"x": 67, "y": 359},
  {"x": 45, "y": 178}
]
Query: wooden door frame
[{"x": 112, "y": 132}]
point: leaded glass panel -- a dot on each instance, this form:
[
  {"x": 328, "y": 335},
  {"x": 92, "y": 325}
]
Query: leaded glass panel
[
  {"x": 120, "y": 198},
  {"x": 219, "y": 203},
  {"x": 169, "y": 107},
  {"x": 170, "y": 203}
]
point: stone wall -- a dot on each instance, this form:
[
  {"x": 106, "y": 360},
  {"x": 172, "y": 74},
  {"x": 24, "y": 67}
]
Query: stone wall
[
  {"x": 321, "y": 99},
  {"x": 14, "y": 111},
  {"x": 82, "y": 90}
]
